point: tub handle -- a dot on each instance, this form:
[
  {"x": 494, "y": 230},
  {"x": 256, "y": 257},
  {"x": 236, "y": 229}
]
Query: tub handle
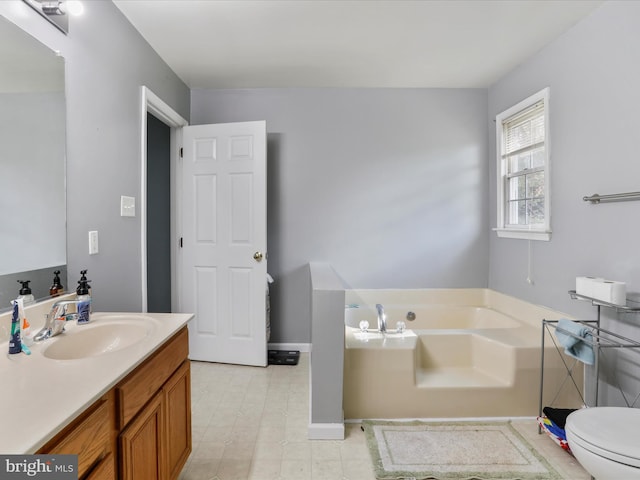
[{"x": 411, "y": 316}]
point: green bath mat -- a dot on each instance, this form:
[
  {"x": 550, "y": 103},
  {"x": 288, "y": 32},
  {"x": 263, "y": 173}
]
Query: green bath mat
[{"x": 453, "y": 451}]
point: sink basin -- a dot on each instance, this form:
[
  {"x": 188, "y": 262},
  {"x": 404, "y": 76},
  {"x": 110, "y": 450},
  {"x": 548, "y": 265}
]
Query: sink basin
[{"x": 109, "y": 334}]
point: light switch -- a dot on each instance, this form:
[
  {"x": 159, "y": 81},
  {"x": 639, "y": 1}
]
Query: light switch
[
  {"x": 93, "y": 242},
  {"x": 127, "y": 206}
]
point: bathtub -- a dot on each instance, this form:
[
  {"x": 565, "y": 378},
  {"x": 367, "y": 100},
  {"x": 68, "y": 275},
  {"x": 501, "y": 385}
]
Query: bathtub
[
  {"x": 468, "y": 353},
  {"x": 429, "y": 317}
]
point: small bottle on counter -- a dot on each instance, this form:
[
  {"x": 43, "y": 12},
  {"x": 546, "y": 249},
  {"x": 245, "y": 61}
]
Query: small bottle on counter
[
  {"x": 84, "y": 299},
  {"x": 25, "y": 292},
  {"x": 56, "y": 288},
  {"x": 83, "y": 278},
  {"x": 15, "y": 345}
]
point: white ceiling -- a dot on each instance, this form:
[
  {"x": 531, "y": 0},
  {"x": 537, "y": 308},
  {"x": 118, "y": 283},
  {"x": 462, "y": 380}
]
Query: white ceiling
[{"x": 356, "y": 43}]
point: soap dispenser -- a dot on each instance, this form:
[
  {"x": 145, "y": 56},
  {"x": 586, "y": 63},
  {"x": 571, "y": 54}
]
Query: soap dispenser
[
  {"x": 25, "y": 292},
  {"x": 56, "y": 288},
  {"x": 84, "y": 298},
  {"x": 84, "y": 302},
  {"x": 83, "y": 279}
]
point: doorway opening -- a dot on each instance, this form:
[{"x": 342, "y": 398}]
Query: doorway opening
[
  {"x": 158, "y": 216},
  {"x": 160, "y": 224}
]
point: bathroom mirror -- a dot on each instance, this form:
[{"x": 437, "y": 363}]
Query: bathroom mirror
[{"x": 32, "y": 164}]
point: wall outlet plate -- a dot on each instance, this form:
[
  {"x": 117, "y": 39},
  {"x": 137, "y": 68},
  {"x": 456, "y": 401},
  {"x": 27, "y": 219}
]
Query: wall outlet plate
[
  {"x": 127, "y": 206},
  {"x": 93, "y": 242}
]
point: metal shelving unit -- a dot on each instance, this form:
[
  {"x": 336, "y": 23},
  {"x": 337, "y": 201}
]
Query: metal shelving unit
[
  {"x": 599, "y": 303},
  {"x": 601, "y": 339}
]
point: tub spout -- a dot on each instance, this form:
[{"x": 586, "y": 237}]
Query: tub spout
[{"x": 382, "y": 318}]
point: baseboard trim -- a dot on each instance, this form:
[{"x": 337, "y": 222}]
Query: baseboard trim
[
  {"x": 326, "y": 431},
  {"x": 301, "y": 347}
]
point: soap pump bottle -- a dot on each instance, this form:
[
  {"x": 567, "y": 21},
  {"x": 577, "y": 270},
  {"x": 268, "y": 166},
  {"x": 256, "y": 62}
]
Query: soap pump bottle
[
  {"x": 83, "y": 278},
  {"x": 25, "y": 292},
  {"x": 84, "y": 301},
  {"x": 56, "y": 288}
]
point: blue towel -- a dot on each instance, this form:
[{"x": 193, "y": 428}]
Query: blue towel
[{"x": 573, "y": 345}]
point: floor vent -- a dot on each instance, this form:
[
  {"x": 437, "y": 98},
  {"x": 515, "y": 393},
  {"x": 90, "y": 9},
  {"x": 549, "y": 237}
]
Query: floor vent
[{"x": 284, "y": 357}]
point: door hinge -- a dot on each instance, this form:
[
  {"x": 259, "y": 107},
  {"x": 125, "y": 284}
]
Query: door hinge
[{"x": 180, "y": 152}]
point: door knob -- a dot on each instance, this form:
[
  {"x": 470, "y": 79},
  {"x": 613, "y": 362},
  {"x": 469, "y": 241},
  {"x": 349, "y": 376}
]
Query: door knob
[{"x": 257, "y": 256}]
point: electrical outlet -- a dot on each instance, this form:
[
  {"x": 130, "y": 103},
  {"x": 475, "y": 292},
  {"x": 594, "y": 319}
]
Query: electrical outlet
[{"x": 93, "y": 242}]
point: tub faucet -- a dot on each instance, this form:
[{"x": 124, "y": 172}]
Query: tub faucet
[
  {"x": 382, "y": 318},
  {"x": 56, "y": 319}
]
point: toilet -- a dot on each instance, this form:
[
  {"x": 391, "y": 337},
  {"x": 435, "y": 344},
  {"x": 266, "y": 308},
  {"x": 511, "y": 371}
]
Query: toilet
[{"x": 605, "y": 441}]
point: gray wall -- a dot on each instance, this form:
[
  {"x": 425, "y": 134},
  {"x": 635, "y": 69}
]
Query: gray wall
[
  {"x": 388, "y": 186},
  {"x": 594, "y": 72},
  {"x": 107, "y": 61}
]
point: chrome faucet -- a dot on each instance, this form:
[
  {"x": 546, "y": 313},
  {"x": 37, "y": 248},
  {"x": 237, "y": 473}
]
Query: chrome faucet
[
  {"x": 56, "y": 319},
  {"x": 382, "y": 318}
]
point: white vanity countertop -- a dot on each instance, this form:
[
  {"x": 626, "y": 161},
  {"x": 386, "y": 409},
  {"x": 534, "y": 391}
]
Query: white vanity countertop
[{"x": 40, "y": 395}]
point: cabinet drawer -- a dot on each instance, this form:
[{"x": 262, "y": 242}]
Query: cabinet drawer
[
  {"x": 140, "y": 386},
  {"x": 89, "y": 437}
]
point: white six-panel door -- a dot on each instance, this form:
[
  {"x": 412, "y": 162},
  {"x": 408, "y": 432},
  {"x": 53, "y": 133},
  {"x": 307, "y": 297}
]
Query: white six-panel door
[{"x": 224, "y": 241}]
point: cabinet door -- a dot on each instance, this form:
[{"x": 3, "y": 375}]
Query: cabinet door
[
  {"x": 141, "y": 445},
  {"x": 177, "y": 398},
  {"x": 105, "y": 470}
]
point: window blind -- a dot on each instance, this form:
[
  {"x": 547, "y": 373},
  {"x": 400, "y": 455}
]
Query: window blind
[{"x": 524, "y": 131}]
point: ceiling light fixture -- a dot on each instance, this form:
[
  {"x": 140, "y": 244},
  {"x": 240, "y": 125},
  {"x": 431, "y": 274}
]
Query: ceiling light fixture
[
  {"x": 57, "y": 11},
  {"x": 62, "y": 7},
  {"x": 52, "y": 7},
  {"x": 74, "y": 7}
]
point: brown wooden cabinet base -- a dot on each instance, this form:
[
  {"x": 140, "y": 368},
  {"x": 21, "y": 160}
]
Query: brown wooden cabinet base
[{"x": 142, "y": 425}]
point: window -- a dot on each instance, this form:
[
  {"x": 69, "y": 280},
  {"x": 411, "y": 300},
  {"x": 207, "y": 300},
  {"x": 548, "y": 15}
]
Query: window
[{"x": 522, "y": 145}]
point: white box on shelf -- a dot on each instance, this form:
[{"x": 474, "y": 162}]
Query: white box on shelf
[
  {"x": 610, "y": 291},
  {"x": 585, "y": 285}
]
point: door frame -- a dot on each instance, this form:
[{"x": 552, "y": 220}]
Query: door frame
[{"x": 151, "y": 103}]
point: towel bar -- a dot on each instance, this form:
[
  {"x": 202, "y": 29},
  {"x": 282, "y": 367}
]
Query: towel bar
[{"x": 614, "y": 197}]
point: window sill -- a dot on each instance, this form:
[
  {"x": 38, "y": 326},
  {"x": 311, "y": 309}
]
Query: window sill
[{"x": 543, "y": 235}]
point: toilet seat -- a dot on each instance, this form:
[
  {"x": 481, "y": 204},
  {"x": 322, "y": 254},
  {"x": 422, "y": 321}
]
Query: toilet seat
[{"x": 610, "y": 432}]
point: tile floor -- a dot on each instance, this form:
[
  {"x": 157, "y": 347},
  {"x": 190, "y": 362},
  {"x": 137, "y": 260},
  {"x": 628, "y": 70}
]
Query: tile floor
[{"x": 250, "y": 423}]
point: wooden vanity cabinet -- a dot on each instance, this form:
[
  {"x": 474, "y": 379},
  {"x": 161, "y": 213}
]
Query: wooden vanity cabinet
[
  {"x": 141, "y": 429},
  {"x": 154, "y": 414}
]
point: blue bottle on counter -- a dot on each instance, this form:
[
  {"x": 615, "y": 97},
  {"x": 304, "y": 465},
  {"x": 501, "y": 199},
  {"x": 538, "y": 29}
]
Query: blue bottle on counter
[{"x": 15, "y": 345}]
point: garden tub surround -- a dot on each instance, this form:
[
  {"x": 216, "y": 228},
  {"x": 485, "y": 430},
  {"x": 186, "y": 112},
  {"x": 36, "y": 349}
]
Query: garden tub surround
[
  {"x": 46, "y": 393},
  {"x": 469, "y": 353}
]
